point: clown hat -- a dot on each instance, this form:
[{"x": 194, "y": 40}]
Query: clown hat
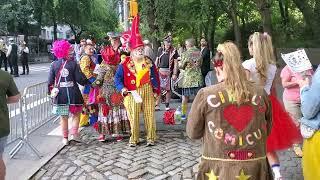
[{"x": 135, "y": 40}]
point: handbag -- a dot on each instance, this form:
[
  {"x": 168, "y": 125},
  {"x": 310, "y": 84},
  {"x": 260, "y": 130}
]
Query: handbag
[{"x": 55, "y": 90}]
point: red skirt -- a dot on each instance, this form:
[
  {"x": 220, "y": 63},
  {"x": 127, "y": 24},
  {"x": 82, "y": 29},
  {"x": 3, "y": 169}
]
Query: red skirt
[{"x": 284, "y": 132}]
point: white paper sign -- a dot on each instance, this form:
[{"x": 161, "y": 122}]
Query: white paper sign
[
  {"x": 137, "y": 98},
  {"x": 297, "y": 61}
]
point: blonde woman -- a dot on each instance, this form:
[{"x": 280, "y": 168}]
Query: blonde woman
[
  {"x": 233, "y": 118},
  {"x": 261, "y": 69}
]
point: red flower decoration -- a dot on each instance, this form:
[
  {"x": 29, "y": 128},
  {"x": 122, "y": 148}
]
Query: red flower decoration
[
  {"x": 218, "y": 63},
  {"x": 218, "y": 59}
]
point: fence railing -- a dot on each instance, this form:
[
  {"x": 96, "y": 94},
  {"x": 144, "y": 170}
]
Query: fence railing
[
  {"x": 15, "y": 122},
  {"x": 30, "y": 113}
]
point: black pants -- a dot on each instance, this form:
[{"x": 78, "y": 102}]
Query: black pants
[
  {"x": 13, "y": 63},
  {"x": 5, "y": 62},
  {"x": 25, "y": 63}
]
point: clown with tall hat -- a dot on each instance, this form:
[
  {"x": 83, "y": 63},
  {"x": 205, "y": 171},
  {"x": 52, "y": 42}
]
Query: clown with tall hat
[
  {"x": 138, "y": 80},
  {"x": 113, "y": 119}
]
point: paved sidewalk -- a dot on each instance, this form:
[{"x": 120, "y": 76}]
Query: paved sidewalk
[{"x": 175, "y": 157}]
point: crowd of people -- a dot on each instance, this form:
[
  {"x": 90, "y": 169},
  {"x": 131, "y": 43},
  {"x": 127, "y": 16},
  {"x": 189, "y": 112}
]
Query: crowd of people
[
  {"x": 241, "y": 122},
  {"x": 239, "y": 118},
  {"x": 10, "y": 53}
]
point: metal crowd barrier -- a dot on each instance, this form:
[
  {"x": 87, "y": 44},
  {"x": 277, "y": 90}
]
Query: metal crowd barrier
[
  {"x": 33, "y": 111},
  {"x": 15, "y": 122}
]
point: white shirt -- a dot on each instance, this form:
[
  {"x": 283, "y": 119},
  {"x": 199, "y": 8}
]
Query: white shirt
[
  {"x": 250, "y": 65},
  {"x": 26, "y": 50},
  {"x": 9, "y": 48}
]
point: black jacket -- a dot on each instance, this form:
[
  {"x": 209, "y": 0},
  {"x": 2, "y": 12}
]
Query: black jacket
[
  {"x": 205, "y": 68},
  {"x": 67, "y": 95}
]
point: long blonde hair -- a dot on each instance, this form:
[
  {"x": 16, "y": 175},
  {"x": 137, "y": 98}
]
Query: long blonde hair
[
  {"x": 263, "y": 54},
  {"x": 235, "y": 77}
]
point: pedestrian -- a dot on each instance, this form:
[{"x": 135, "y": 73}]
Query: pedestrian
[
  {"x": 24, "y": 52},
  {"x": 138, "y": 80},
  {"x": 88, "y": 65},
  {"x": 63, "y": 88},
  {"x": 80, "y": 49},
  {"x": 3, "y": 57},
  {"x": 191, "y": 62},
  {"x": 291, "y": 97},
  {"x": 12, "y": 55},
  {"x": 261, "y": 69},
  {"x": 310, "y": 123},
  {"x": 205, "y": 53},
  {"x": 181, "y": 48},
  {"x": 233, "y": 119},
  {"x": 167, "y": 63},
  {"x": 113, "y": 120},
  {"x": 148, "y": 51},
  {"x": 8, "y": 94}
]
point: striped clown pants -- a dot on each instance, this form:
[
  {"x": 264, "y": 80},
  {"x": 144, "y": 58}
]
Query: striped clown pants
[{"x": 147, "y": 107}]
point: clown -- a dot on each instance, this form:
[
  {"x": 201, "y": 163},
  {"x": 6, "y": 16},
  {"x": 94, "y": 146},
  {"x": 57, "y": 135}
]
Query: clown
[
  {"x": 113, "y": 118},
  {"x": 138, "y": 80},
  {"x": 64, "y": 76},
  {"x": 87, "y": 66}
]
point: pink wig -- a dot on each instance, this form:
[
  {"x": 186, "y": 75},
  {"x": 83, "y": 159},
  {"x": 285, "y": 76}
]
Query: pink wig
[{"x": 61, "y": 48}]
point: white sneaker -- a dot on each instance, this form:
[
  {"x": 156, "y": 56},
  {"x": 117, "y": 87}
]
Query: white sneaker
[
  {"x": 75, "y": 138},
  {"x": 167, "y": 108},
  {"x": 65, "y": 141},
  {"x": 157, "y": 108}
]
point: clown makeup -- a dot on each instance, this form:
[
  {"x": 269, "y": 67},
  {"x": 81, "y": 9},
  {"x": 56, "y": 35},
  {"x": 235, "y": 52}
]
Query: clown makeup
[
  {"x": 89, "y": 50},
  {"x": 115, "y": 42},
  {"x": 138, "y": 52}
]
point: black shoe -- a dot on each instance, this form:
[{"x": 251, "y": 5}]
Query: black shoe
[
  {"x": 167, "y": 107},
  {"x": 22, "y": 74},
  {"x": 16, "y": 75},
  {"x": 11, "y": 73}
]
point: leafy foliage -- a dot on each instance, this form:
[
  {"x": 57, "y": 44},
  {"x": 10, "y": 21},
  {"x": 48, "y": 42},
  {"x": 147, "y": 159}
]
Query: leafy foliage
[
  {"x": 93, "y": 17},
  {"x": 293, "y": 23}
]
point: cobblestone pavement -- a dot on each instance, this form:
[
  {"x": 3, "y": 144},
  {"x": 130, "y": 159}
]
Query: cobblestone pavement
[{"x": 174, "y": 157}]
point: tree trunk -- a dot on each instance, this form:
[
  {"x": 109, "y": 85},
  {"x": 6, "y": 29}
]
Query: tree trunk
[
  {"x": 264, "y": 9},
  {"x": 309, "y": 16},
  {"x": 55, "y": 35},
  {"x": 283, "y": 6},
  {"x": 211, "y": 35},
  {"x": 282, "y": 11},
  {"x": 212, "y": 29},
  {"x": 150, "y": 17},
  {"x": 205, "y": 27},
  {"x": 235, "y": 23},
  {"x": 26, "y": 31}
]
